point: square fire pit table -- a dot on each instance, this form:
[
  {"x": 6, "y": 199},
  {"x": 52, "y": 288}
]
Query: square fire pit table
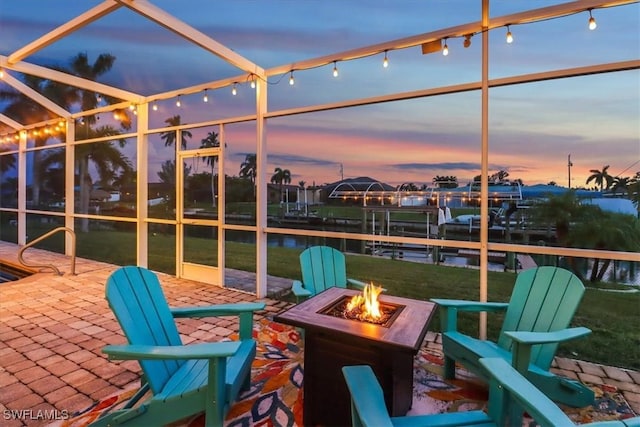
[{"x": 331, "y": 342}]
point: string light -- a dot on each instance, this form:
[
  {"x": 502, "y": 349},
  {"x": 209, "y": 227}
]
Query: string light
[
  {"x": 252, "y": 77},
  {"x": 592, "y": 21},
  {"x": 467, "y": 40}
]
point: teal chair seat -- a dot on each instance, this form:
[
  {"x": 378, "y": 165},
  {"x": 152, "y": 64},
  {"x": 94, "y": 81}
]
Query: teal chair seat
[
  {"x": 183, "y": 380},
  {"x": 536, "y": 321}
]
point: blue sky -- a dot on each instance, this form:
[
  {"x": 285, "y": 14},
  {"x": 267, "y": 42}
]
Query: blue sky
[{"x": 533, "y": 127}]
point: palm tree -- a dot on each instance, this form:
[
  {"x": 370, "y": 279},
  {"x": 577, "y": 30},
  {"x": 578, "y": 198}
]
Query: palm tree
[
  {"x": 606, "y": 231},
  {"x": 446, "y": 181},
  {"x": 106, "y": 158},
  {"x": 601, "y": 178},
  {"x": 571, "y": 220},
  {"x": 169, "y": 137},
  {"x": 634, "y": 190},
  {"x": 167, "y": 175},
  {"x": 281, "y": 177},
  {"x": 621, "y": 183},
  {"x": 26, "y": 111},
  {"x": 6, "y": 162},
  {"x": 408, "y": 186},
  {"x": 211, "y": 141},
  {"x": 499, "y": 177},
  {"x": 248, "y": 169}
]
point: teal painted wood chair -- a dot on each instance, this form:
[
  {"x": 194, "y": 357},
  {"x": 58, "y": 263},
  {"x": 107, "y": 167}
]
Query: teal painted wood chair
[
  {"x": 183, "y": 380},
  {"x": 322, "y": 267},
  {"x": 509, "y": 395},
  {"x": 536, "y": 321}
]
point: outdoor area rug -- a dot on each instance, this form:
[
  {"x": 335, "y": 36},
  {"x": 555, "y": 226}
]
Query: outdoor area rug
[{"x": 275, "y": 396}]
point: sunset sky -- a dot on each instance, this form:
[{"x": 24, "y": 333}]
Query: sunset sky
[{"x": 533, "y": 128}]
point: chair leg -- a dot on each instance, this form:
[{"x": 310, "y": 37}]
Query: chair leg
[
  {"x": 449, "y": 368},
  {"x": 246, "y": 383}
]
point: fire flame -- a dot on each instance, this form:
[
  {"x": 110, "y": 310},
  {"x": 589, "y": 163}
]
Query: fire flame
[{"x": 367, "y": 302}]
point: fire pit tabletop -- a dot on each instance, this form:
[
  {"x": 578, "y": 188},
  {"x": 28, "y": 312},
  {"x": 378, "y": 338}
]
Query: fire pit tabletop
[{"x": 407, "y": 330}]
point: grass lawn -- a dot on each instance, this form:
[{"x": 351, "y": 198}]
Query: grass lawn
[{"x": 614, "y": 318}]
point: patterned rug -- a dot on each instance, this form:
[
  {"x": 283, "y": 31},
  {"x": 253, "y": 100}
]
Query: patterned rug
[
  {"x": 433, "y": 394},
  {"x": 275, "y": 396}
]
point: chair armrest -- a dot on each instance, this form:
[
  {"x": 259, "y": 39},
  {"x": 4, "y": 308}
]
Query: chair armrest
[
  {"x": 359, "y": 285},
  {"x": 299, "y": 290},
  {"x": 523, "y": 341},
  {"x": 471, "y": 306},
  {"x": 532, "y": 400},
  {"x": 632, "y": 422},
  {"x": 165, "y": 352},
  {"x": 243, "y": 310},
  {"x": 356, "y": 283},
  {"x": 366, "y": 397},
  {"x": 449, "y": 310},
  {"x": 532, "y": 338},
  {"x": 217, "y": 310}
]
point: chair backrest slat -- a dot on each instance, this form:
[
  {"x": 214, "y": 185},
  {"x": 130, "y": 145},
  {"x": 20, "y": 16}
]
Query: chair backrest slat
[
  {"x": 138, "y": 303},
  {"x": 544, "y": 299},
  {"x": 323, "y": 267}
]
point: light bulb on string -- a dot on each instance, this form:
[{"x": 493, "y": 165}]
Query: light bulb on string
[
  {"x": 592, "y": 21},
  {"x": 467, "y": 40},
  {"x": 253, "y": 81},
  {"x": 234, "y": 90},
  {"x": 335, "y": 69},
  {"x": 445, "y": 48},
  {"x": 509, "y": 35},
  {"x": 291, "y": 79},
  {"x": 154, "y": 107},
  {"x": 385, "y": 61},
  {"x": 205, "y": 98},
  {"x": 178, "y": 102},
  {"x": 1, "y": 73}
]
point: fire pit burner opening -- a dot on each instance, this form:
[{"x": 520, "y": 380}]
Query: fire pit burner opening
[{"x": 338, "y": 308}]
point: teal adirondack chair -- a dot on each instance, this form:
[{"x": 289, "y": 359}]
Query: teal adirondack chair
[
  {"x": 322, "y": 267},
  {"x": 536, "y": 321},
  {"x": 509, "y": 395},
  {"x": 183, "y": 380}
]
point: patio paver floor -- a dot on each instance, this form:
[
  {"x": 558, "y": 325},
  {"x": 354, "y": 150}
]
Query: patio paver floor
[{"x": 52, "y": 330}]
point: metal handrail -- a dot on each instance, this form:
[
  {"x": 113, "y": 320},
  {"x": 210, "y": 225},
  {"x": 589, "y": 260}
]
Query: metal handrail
[{"x": 51, "y": 266}]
